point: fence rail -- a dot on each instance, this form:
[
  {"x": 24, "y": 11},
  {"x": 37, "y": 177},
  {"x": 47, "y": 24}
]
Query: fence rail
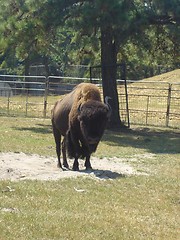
[
  {"x": 154, "y": 103},
  {"x": 149, "y": 103}
]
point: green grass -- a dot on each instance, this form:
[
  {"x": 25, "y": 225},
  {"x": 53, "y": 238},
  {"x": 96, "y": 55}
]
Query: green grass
[
  {"x": 129, "y": 207},
  {"x": 26, "y": 135},
  {"x": 35, "y": 136}
]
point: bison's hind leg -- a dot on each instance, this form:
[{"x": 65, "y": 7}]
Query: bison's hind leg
[
  {"x": 65, "y": 164},
  {"x": 57, "y": 138}
]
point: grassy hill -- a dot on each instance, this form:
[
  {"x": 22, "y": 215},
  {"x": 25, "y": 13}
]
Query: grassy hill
[{"x": 171, "y": 77}]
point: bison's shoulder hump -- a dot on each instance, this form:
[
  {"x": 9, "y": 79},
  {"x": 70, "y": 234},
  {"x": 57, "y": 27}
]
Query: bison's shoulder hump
[{"x": 88, "y": 91}]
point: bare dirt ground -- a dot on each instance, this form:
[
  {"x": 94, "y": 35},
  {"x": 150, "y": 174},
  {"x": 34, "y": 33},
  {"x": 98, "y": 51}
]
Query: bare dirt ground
[{"x": 21, "y": 166}]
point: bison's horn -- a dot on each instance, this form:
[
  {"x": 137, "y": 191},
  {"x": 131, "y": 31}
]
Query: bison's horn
[{"x": 107, "y": 98}]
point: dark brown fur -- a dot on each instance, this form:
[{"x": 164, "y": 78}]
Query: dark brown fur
[{"x": 81, "y": 118}]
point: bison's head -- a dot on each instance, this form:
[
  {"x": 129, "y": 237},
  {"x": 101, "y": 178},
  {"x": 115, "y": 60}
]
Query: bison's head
[{"x": 93, "y": 117}]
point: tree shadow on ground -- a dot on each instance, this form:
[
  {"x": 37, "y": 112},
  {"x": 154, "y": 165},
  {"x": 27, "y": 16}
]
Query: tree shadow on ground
[
  {"x": 155, "y": 140},
  {"x": 39, "y": 128}
]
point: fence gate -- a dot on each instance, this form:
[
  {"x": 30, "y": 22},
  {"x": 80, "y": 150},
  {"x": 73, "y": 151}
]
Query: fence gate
[{"x": 96, "y": 77}]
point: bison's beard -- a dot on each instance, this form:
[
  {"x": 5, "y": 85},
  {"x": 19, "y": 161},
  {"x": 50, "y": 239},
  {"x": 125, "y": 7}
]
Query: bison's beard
[{"x": 74, "y": 148}]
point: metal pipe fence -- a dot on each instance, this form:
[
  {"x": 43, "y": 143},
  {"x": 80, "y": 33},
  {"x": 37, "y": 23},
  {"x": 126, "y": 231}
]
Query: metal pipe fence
[
  {"x": 153, "y": 103},
  {"x": 149, "y": 103}
]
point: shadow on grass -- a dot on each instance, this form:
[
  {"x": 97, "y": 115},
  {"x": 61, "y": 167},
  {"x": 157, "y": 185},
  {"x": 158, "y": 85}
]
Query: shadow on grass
[
  {"x": 104, "y": 174},
  {"x": 41, "y": 128},
  {"x": 101, "y": 174},
  {"x": 155, "y": 140},
  {"x": 152, "y": 139}
]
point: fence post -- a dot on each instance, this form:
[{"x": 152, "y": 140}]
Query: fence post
[
  {"x": 8, "y": 101},
  {"x": 45, "y": 96},
  {"x": 147, "y": 109},
  {"x": 168, "y": 104},
  {"x": 26, "y": 103}
]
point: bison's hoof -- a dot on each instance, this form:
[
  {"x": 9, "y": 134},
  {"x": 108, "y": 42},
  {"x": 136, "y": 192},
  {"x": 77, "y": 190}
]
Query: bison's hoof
[
  {"x": 65, "y": 167},
  {"x": 75, "y": 168},
  {"x": 89, "y": 168}
]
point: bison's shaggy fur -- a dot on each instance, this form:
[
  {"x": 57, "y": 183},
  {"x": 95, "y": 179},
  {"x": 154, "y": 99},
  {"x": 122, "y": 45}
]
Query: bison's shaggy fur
[{"x": 81, "y": 118}]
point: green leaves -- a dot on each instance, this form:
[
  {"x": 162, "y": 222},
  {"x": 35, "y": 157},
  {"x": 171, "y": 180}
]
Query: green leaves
[{"x": 63, "y": 29}]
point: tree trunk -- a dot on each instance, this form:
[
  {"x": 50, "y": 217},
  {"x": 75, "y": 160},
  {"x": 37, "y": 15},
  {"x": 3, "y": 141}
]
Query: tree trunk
[{"x": 109, "y": 73}]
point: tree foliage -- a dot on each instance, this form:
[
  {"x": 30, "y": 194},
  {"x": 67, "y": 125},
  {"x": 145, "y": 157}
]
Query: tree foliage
[
  {"x": 70, "y": 30},
  {"x": 90, "y": 31}
]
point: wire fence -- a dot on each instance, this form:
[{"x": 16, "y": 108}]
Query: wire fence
[
  {"x": 154, "y": 103},
  {"x": 149, "y": 103}
]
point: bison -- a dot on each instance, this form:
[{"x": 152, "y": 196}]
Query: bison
[{"x": 80, "y": 117}]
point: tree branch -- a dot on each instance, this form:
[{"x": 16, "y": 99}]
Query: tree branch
[{"x": 163, "y": 20}]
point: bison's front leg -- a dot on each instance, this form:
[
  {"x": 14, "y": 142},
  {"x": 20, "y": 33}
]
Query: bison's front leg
[
  {"x": 76, "y": 164},
  {"x": 87, "y": 163},
  {"x": 73, "y": 147}
]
